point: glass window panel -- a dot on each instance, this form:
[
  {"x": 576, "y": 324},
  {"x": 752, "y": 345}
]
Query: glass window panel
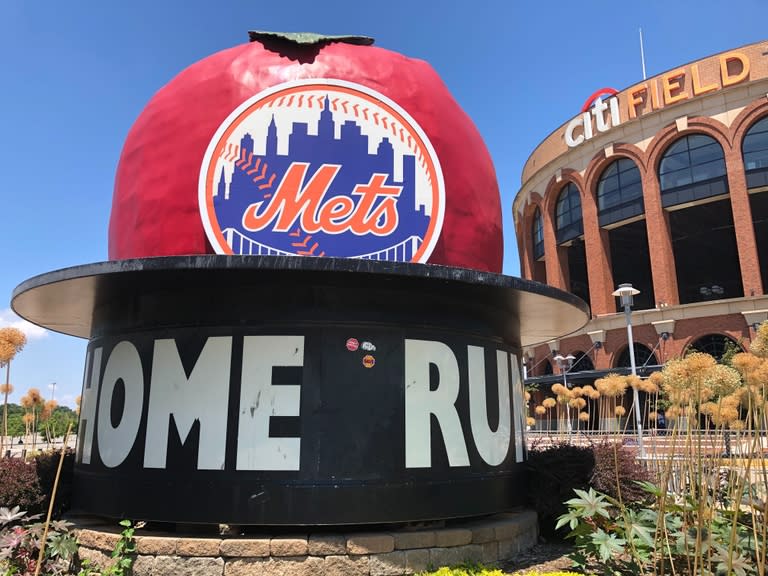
[
  {"x": 755, "y": 148},
  {"x": 674, "y": 162},
  {"x": 615, "y": 193},
  {"x": 754, "y": 142},
  {"x": 709, "y": 170},
  {"x": 698, "y": 140},
  {"x": 705, "y": 154}
]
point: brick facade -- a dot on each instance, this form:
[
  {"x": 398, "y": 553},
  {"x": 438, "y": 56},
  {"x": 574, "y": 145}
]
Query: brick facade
[{"x": 723, "y": 112}]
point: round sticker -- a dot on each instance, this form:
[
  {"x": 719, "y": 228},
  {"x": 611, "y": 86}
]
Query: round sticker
[
  {"x": 322, "y": 167},
  {"x": 352, "y": 344},
  {"x": 369, "y": 361}
]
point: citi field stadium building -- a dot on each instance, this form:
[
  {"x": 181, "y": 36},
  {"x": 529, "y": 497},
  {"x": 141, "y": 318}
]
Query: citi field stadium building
[{"x": 664, "y": 186}]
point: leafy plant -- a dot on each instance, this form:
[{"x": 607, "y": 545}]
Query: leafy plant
[
  {"x": 670, "y": 536},
  {"x": 463, "y": 570},
  {"x": 20, "y": 540},
  {"x": 123, "y": 554}
]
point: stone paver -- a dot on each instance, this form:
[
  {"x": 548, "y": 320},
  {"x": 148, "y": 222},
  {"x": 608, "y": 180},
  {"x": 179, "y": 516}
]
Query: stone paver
[
  {"x": 174, "y": 565},
  {"x": 289, "y": 546},
  {"x": 452, "y": 537},
  {"x": 245, "y": 547},
  {"x": 346, "y": 566},
  {"x": 390, "y": 564},
  {"x": 327, "y": 544},
  {"x": 416, "y": 561},
  {"x": 370, "y": 543},
  {"x": 198, "y": 546},
  {"x": 417, "y": 539}
]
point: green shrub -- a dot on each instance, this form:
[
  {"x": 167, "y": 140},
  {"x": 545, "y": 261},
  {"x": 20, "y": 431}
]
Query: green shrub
[
  {"x": 464, "y": 570},
  {"x": 19, "y": 485},
  {"x": 47, "y": 463},
  {"x": 554, "y": 473}
]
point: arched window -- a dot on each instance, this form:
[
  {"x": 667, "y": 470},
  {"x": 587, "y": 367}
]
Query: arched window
[
  {"x": 754, "y": 149},
  {"x": 568, "y": 214},
  {"x": 691, "y": 169},
  {"x": 643, "y": 357},
  {"x": 716, "y": 345},
  {"x": 619, "y": 192},
  {"x": 537, "y": 234},
  {"x": 582, "y": 363}
]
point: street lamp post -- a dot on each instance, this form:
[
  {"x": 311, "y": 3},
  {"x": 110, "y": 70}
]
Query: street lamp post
[
  {"x": 626, "y": 292},
  {"x": 565, "y": 363}
]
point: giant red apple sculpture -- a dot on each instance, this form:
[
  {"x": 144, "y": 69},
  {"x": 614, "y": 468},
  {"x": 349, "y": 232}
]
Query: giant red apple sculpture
[{"x": 307, "y": 145}]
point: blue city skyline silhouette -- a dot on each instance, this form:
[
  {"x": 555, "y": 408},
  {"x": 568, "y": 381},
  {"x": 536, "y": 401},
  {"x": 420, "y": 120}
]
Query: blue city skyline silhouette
[{"x": 357, "y": 166}]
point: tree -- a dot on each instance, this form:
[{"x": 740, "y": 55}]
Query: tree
[{"x": 12, "y": 341}]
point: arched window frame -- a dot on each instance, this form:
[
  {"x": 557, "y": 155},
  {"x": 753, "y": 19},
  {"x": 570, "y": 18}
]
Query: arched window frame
[
  {"x": 537, "y": 234},
  {"x": 619, "y": 192},
  {"x": 568, "y": 218},
  {"x": 713, "y": 344},
  {"x": 754, "y": 153},
  {"x": 692, "y": 168}
]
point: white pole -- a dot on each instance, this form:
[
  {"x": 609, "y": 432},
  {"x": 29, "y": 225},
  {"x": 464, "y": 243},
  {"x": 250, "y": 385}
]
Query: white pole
[
  {"x": 642, "y": 53},
  {"x": 635, "y": 395}
]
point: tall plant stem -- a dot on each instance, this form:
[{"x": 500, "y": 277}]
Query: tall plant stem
[
  {"x": 53, "y": 499},
  {"x": 5, "y": 407}
]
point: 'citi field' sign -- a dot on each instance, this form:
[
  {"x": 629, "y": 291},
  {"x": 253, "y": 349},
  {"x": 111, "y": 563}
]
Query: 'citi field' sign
[{"x": 604, "y": 110}]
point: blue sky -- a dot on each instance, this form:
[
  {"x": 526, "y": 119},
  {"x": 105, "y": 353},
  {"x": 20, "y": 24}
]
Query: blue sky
[{"x": 76, "y": 74}]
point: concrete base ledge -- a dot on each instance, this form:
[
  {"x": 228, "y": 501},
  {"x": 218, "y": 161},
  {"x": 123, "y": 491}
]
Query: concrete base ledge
[{"x": 375, "y": 553}]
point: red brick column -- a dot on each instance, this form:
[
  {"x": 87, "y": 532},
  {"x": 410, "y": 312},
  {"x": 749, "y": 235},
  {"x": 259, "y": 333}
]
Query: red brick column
[
  {"x": 663, "y": 268},
  {"x": 597, "y": 249},
  {"x": 742, "y": 222}
]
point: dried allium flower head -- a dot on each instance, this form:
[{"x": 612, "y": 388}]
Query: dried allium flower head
[
  {"x": 577, "y": 391},
  {"x": 745, "y": 363},
  {"x": 653, "y": 415},
  {"x": 14, "y": 336},
  {"x": 28, "y": 418},
  {"x": 35, "y": 396},
  {"x": 577, "y": 403},
  {"x": 684, "y": 378},
  {"x": 708, "y": 408},
  {"x": 722, "y": 380},
  {"x": 649, "y": 386},
  {"x": 673, "y": 412},
  {"x": 558, "y": 389},
  {"x": 759, "y": 345},
  {"x": 619, "y": 411},
  {"x": 530, "y": 421},
  {"x": 6, "y": 388},
  {"x": 634, "y": 381},
  {"x": 549, "y": 403},
  {"x": 540, "y": 410},
  {"x": 7, "y": 352},
  {"x": 612, "y": 385},
  {"x": 51, "y": 405},
  {"x": 26, "y": 402},
  {"x": 737, "y": 425},
  {"x": 584, "y": 416},
  {"x": 527, "y": 396}
]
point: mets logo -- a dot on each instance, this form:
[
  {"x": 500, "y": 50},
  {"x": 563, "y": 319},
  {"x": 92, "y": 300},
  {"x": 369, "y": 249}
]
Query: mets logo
[{"x": 322, "y": 168}]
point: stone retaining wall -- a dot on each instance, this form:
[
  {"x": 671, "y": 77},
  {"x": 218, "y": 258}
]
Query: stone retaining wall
[{"x": 379, "y": 553}]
